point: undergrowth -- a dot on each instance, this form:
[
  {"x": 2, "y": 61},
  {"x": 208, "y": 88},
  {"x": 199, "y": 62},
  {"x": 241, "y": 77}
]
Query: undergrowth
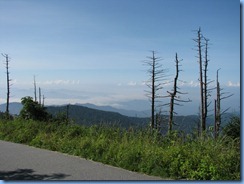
[{"x": 173, "y": 156}]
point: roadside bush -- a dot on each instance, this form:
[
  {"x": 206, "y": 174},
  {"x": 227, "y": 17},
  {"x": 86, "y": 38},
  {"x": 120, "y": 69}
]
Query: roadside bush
[{"x": 173, "y": 156}]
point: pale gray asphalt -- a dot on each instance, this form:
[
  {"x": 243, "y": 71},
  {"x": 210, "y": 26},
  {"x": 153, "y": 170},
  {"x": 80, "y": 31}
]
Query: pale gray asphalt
[{"x": 21, "y": 162}]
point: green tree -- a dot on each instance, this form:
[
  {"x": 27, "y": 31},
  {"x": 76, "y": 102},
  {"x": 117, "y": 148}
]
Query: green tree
[{"x": 33, "y": 110}]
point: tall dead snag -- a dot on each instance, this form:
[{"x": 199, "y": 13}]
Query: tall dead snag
[
  {"x": 173, "y": 95},
  {"x": 43, "y": 98},
  {"x": 40, "y": 96},
  {"x": 35, "y": 89},
  {"x": 207, "y": 90},
  {"x": 205, "y": 84},
  {"x": 199, "y": 49},
  {"x": 8, "y": 82},
  {"x": 156, "y": 74},
  {"x": 217, "y": 109},
  {"x": 203, "y": 79},
  {"x": 217, "y": 106}
]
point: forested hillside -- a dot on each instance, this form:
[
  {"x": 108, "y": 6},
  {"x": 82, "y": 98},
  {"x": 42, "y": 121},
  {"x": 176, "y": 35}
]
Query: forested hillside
[{"x": 87, "y": 116}]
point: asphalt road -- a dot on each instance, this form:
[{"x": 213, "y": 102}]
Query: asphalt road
[{"x": 22, "y": 162}]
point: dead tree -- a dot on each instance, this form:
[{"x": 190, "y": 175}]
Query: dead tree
[
  {"x": 35, "y": 89},
  {"x": 207, "y": 90},
  {"x": 205, "y": 84},
  {"x": 217, "y": 106},
  {"x": 173, "y": 95},
  {"x": 154, "y": 83},
  {"x": 8, "y": 81},
  {"x": 40, "y": 96},
  {"x": 203, "y": 79},
  {"x": 217, "y": 109},
  {"x": 199, "y": 49},
  {"x": 43, "y": 98}
]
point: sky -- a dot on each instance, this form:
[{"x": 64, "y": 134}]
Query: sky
[{"x": 92, "y": 51}]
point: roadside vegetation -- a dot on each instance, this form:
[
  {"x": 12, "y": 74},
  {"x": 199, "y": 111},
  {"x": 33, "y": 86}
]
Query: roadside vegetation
[{"x": 176, "y": 155}]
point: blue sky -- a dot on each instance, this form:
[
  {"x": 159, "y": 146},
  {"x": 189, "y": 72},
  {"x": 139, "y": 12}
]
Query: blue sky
[{"x": 92, "y": 51}]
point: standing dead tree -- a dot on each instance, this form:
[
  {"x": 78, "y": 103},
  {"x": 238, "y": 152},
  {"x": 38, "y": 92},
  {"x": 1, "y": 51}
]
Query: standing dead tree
[
  {"x": 207, "y": 90},
  {"x": 154, "y": 83},
  {"x": 199, "y": 49},
  {"x": 8, "y": 82},
  {"x": 43, "y": 98},
  {"x": 173, "y": 95},
  {"x": 40, "y": 96},
  {"x": 35, "y": 89},
  {"x": 203, "y": 79},
  {"x": 205, "y": 84},
  {"x": 217, "y": 106}
]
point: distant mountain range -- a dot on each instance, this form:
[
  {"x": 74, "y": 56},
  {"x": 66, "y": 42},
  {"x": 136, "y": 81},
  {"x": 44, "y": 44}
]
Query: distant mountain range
[
  {"x": 89, "y": 114},
  {"x": 15, "y": 108},
  {"x": 130, "y": 113}
]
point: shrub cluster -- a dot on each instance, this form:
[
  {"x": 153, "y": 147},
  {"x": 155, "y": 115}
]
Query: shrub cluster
[{"x": 174, "y": 156}]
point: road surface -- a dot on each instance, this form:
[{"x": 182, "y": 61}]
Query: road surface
[{"x": 22, "y": 162}]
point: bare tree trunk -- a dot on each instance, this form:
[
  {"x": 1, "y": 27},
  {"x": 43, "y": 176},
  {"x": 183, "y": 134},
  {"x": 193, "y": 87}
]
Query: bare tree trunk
[
  {"x": 40, "y": 96},
  {"x": 218, "y": 106},
  {"x": 173, "y": 97},
  {"x": 154, "y": 83},
  {"x": 173, "y": 94},
  {"x": 206, "y": 81},
  {"x": 35, "y": 88},
  {"x": 203, "y": 121},
  {"x": 218, "y": 114},
  {"x": 202, "y": 105},
  {"x": 8, "y": 83},
  {"x": 43, "y": 98},
  {"x": 153, "y": 91}
]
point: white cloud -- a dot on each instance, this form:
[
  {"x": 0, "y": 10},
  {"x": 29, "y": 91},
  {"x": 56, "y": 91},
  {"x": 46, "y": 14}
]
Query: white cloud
[
  {"x": 193, "y": 84},
  {"x": 231, "y": 84},
  {"x": 60, "y": 82},
  {"x": 132, "y": 83},
  {"x": 143, "y": 83}
]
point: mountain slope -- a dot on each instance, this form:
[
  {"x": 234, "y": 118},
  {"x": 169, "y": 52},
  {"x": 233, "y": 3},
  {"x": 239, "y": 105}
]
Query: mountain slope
[
  {"x": 130, "y": 113},
  {"x": 88, "y": 116},
  {"x": 14, "y": 107}
]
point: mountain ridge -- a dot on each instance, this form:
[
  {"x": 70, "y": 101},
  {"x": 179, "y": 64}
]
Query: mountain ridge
[
  {"x": 82, "y": 114},
  {"x": 15, "y": 107},
  {"x": 130, "y": 113}
]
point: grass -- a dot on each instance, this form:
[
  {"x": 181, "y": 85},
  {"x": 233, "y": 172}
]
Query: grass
[{"x": 173, "y": 156}]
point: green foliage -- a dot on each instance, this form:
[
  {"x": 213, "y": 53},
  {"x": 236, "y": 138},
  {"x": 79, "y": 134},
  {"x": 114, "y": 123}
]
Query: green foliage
[
  {"x": 233, "y": 128},
  {"x": 33, "y": 110},
  {"x": 173, "y": 156}
]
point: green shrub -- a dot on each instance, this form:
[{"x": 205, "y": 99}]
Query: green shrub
[
  {"x": 173, "y": 156},
  {"x": 233, "y": 128}
]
